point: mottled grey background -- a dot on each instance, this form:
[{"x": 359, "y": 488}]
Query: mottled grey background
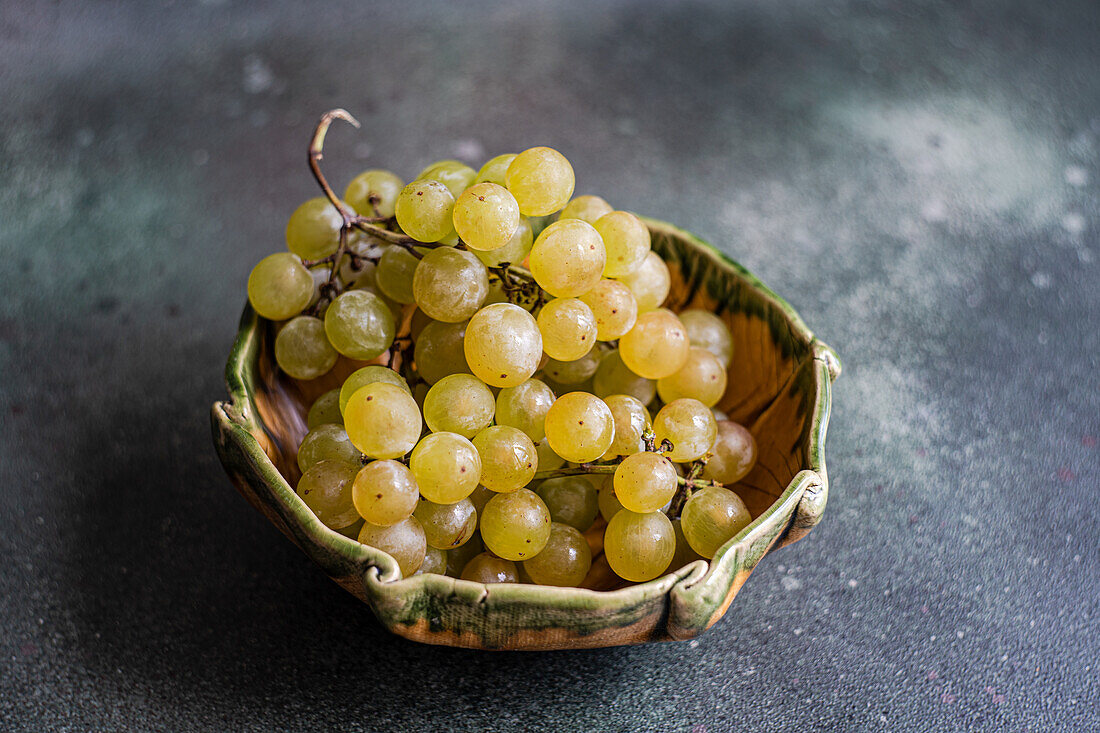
[{"x": 919, "y": 179}]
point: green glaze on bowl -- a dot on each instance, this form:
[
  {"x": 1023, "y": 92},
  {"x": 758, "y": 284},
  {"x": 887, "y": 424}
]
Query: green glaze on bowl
[{"x": 779, "y": 387}]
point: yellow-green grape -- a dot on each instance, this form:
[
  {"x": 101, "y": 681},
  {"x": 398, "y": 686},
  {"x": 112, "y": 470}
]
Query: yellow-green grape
[
  {"x": 279, "y": 286},
  {"x": 394, "y": 274},
  {"x": 440, "y": 351},
  {"x": 524, "y": 406},
  {"x": 404, "y": 542},
  {"x": 684, "y": 554},
  {"x": 302, "y": 349},
  {"x": 645, "y": 482},
  {"x": 480, "y": 496},
  {"x": 548, "y": 459},
  {"x": 455, "y": 175},
  {"x": 579, "y": 427},
  {"x": 324, "y": 443},
  {"x": 450, "y": 284},
  {"x": 508, "y": 458},
  {"x": 385, "y": 493},
  {"x": 486, "y": 216},
  {"x": 541, "y": 179},
  {"x": 631, "y": 420},
  {"x": 733, "y": 454},
  {"x": 626, "y": 240},
  {"x": 459, "y": 403},
  {"x": 459, "y": 556},
  {"x": 515, "y": 525},
  {"x": 570, "y": 500},
  {"x": 568, "y": 329},
  {"x": 382, "y": 420},
  {"x": 447, "y": 526},
  {"x": 394, "y": 307},
  {"x": 650, "y": 283},
  {"x": 585, "y": 208},
  {"x": 607, "y": 501},
  {"x": 447, "y": 467},
  {"x": 325, "y": 409},
  {"x": 424, "y": 209},
  {"x": 706, "y": 330},
  {"x": 639, "y": 547},
  {"x": 614, "y": 308},
  {"x": 657, "y": 346},
  {"x": 689, "y": 425},
  {"x": 352, "y": 530},
  {"x": 319, "y": 275},
  {"x": 313, "y": 230},
  {"x": 435, "y": 561},
  {"x": 614, "y": 377},
  {"x": 495, "y": 170},
  {"x": 568, "y": 258},
  {"x": 711, "y": 517},
  {"x": 514, "y": 252},
  {"x": 572, "y": 372},
  {"x": 487, "y": 568},
  {"x": 369, "y": 375},
  {"x": 359, "y": 325},
  {"x": 326, "y": 490},
  {"x": 564, "y": 561},
  {"x": 702, "y": 377},
  {"x": 503, "y": 346},
  {"x": 382, "y": 185}
]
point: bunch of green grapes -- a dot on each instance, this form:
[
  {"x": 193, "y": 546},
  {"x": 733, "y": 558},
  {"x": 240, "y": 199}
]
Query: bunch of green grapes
[{"x": 520, "y": 394}]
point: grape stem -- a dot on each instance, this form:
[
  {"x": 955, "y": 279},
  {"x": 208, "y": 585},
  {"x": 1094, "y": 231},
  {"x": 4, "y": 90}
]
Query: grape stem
[{"x": 519, "y": 285}]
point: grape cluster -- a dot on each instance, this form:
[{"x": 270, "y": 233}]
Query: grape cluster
[{"x": 507, "y": 408}]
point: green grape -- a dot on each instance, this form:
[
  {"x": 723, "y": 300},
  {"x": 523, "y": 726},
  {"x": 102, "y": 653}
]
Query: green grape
[
  {"x": 514, "y": 252},
  {"x": 585, "y": 208},
  {"x": 447, "y": 467},
  {"x": 650, "y": 283},
  {"x": 404, "y": 542},
  {"x": 541, "y": 179},
  {"x": 645, "y": 482},
  {"x": 548, "y": 459},
  {"x": 424, "y": 209},
  {"x": 459, "y": 556},
  {"x": 486, "y": 216},
  {"x": 352, "y": 530},
  {"x": 313, "y": 230},
  {"x": 524, "y": 406},
  {"x": 614, "y": 377},
  {"x": 702, "y": 377},
  {"x": 302, "y": 350},
  {"x": 394, "y": 274},
  {"x": 279, "y": 286},
  {"x": 319, "y": 275},
  {"x": 503, "y": 346},
  {"x": 382, "y": 185},
  {"x": 639, "y": 547},
  {"x": 708, "y": 331},
  {"x": 575, "y": 372},
  {"x": 356, "y": 273},
  {"x": 385, "y": 493},
  {"x": 689, "y": 425},
  {"x": 568, "y": 258},
  {"x": 453, "y": 174},
  {"x": 435, "y": 561},
  {"x": 440, "y": 351},
  {"x": 570, "y": 500},
  {"x": 579, "y": 427},
  {"x": 382, "y": 420},
  {"x": 325, "y": 409},
  {"x": 447, "y": 526},
  {"x": 480, "y": 496},
  {"x": 711, "y": 517},
  {"x": 324, "y": 443},
  {"x": 369, "y": 375},
  {"x": 657, "y": 346},
  {"x": 631, "y": 420},
  {"x": 450, "y": 284},
  {"x": 568, "y": 329},
  {"x": 564, "y": 561},
  {"x": 607, "y": 501},
  {"x": 626, "y": 240},
  {"x": 326, "y": 490},
  {"x": 516, "y": 525},
  {"x": 495, "y": 170},
  {"x": 684, "y": 554},
  {"x": 486, "y": 568},
  {"x": 733, "y": 454},
  {"x": 508, "y": 458},
  {"x": 420, "y": 391},
  {"x": 359, "y": 325},
  {"x": 614, "y": 308},
  {"x": 718, "y": 414},
  {"x": 459, "y": 403},
  {"x": 395, "y": 308}
]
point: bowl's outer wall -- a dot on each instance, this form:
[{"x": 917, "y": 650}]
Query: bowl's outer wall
[{"x": 779, "y": 387}]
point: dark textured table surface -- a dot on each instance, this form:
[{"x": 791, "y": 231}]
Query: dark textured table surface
[{"x": 920, "y": 180}]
